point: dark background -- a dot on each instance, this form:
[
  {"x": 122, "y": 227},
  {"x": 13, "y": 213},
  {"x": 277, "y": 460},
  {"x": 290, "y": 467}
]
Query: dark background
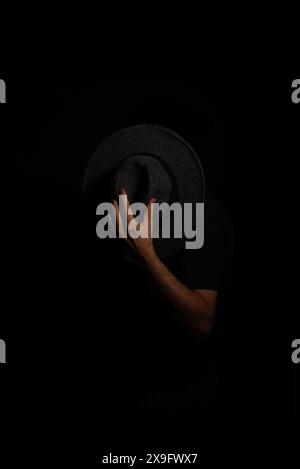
[{"x": 246, "y": 130}]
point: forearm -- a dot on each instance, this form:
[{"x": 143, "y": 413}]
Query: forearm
[{"x": 191, "y": 307}]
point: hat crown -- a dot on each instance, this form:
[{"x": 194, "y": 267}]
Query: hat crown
[{"x": 142, "y": 177}]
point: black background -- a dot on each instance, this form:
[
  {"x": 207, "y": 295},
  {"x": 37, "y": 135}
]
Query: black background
[{"x": 248, "y": 129}]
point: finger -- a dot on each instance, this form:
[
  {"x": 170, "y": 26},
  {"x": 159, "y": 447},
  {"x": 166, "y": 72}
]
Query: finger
[
  {"x": 127, "y": 211},
  {"x": 120, "y": 225},
  {"x": 150, "y": 215},
  {"x": 125, "y": 206},
  {"x": 123, "y": 212},
  {"x": 117, "y": 212}
]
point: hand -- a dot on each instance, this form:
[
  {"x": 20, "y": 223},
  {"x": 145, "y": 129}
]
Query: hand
[{"x": 143, "y": 244}]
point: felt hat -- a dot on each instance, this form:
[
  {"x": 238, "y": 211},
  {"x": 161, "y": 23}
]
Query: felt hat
[{"x": 149, "y": 161}]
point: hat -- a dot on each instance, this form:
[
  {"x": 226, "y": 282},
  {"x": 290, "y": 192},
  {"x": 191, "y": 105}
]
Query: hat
[{"x": 149, "y": 161}]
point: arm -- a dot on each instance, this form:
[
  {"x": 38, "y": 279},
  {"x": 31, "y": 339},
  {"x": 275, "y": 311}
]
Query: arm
[{"x": 195, "y": 308}]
